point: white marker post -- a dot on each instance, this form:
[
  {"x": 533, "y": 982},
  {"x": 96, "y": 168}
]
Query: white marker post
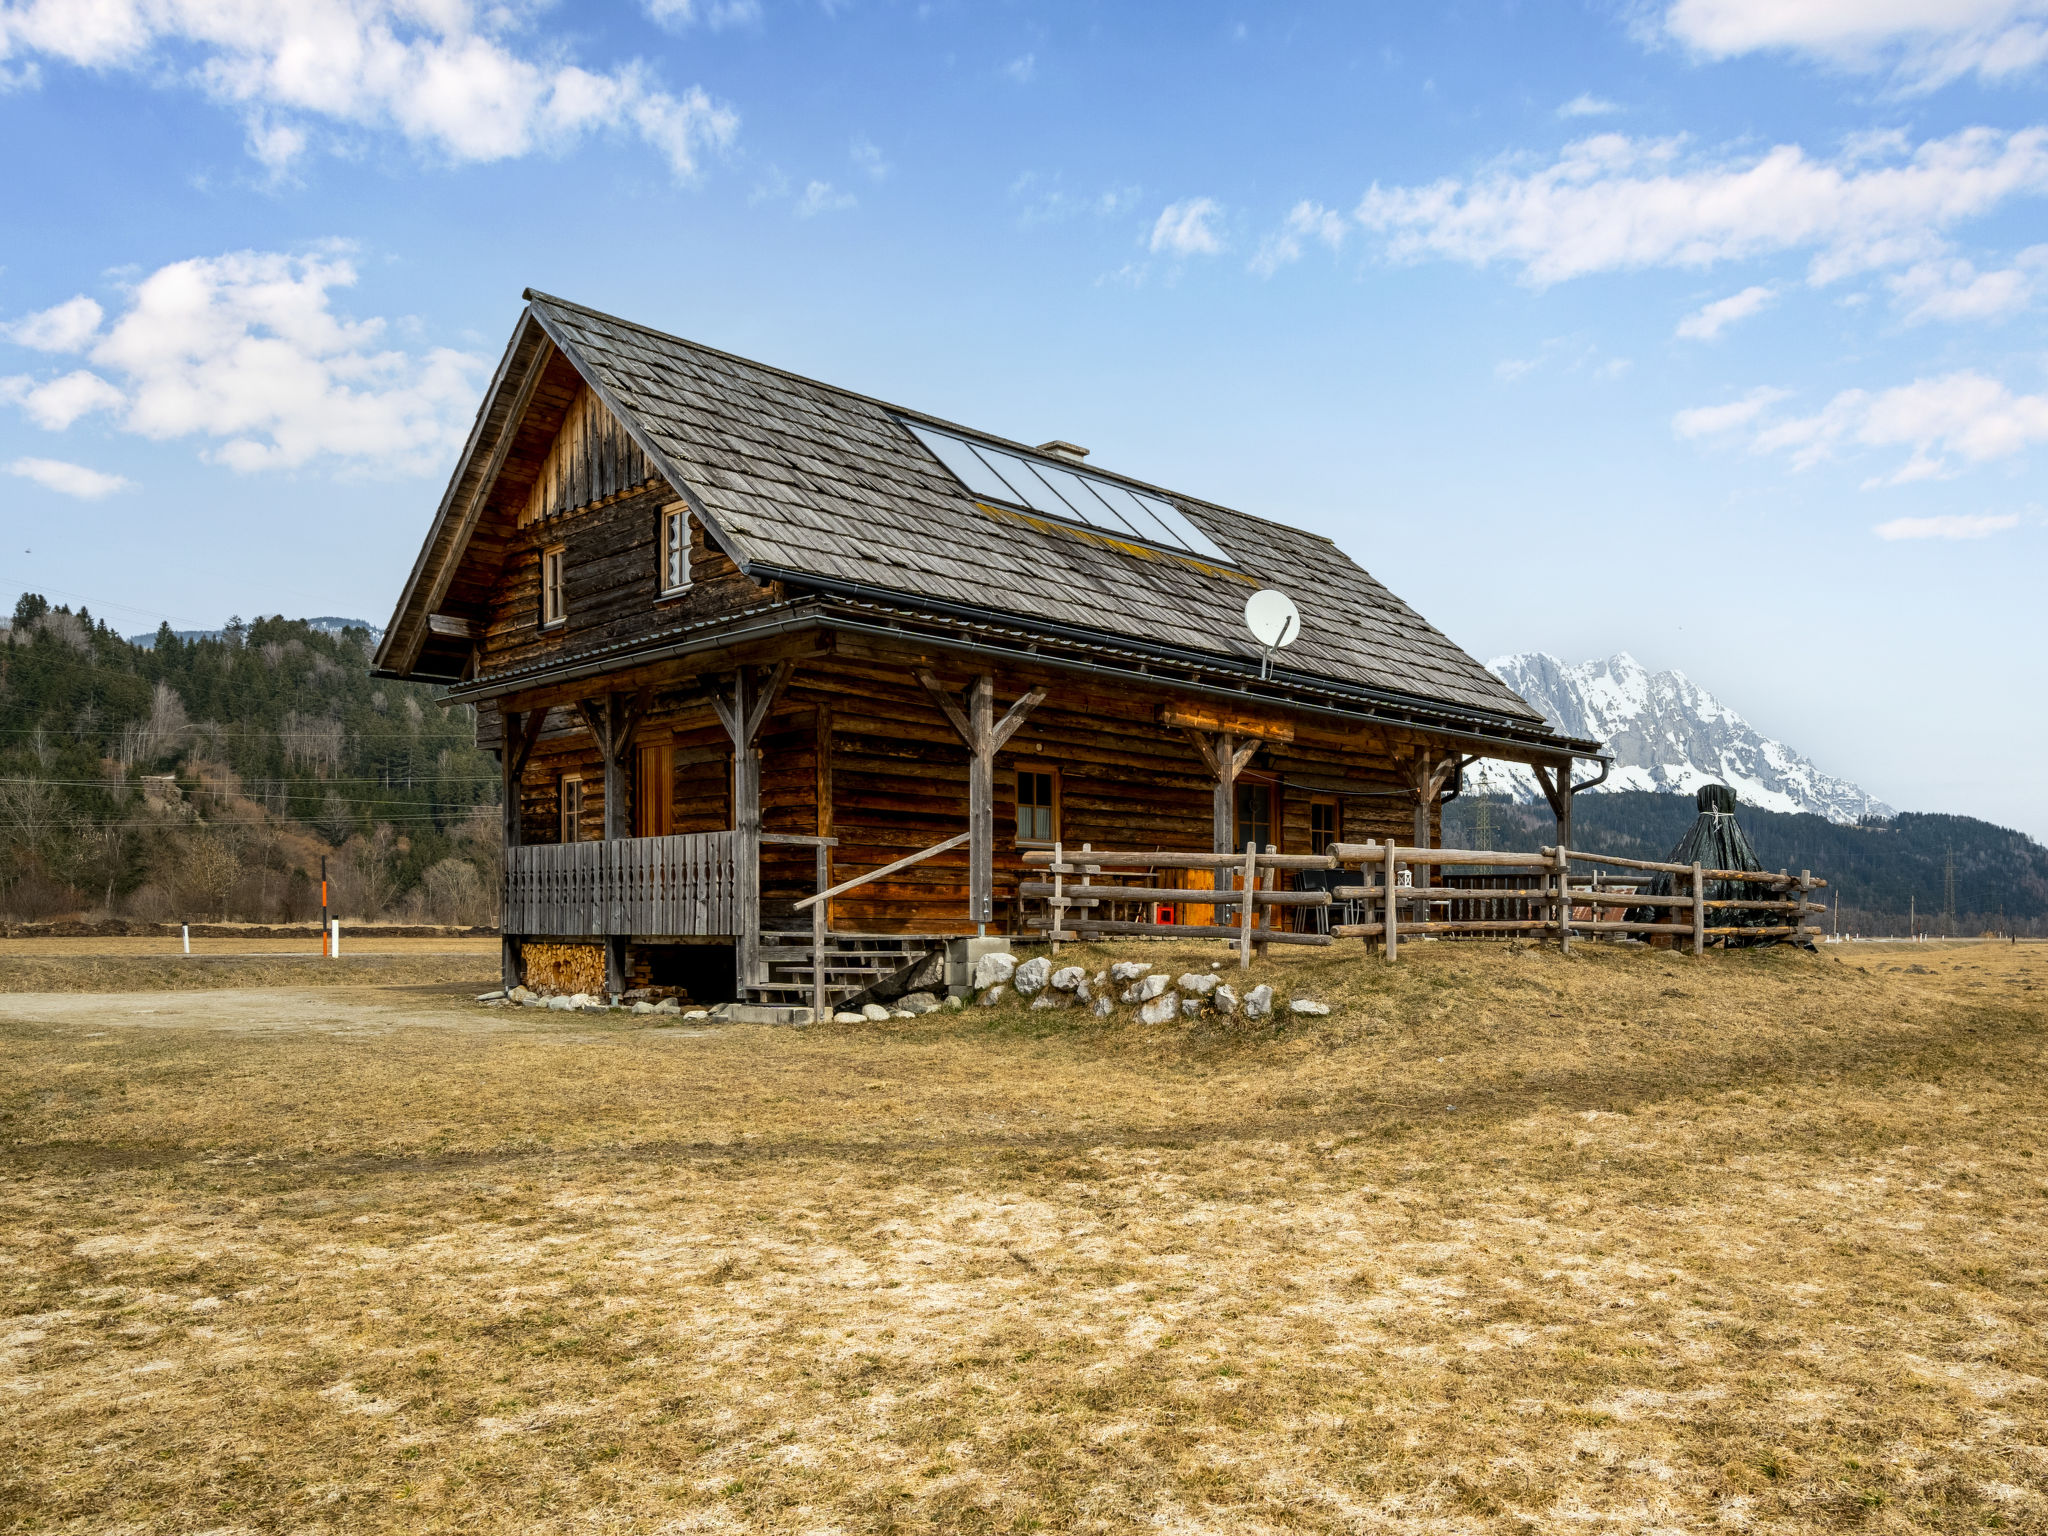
[
  {"x": 185, "y": 932},
  {"x": 334, "y": 940}
]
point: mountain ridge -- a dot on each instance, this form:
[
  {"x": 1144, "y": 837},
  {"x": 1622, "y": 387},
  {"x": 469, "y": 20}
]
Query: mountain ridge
[{"x": 1668, "y": 735}]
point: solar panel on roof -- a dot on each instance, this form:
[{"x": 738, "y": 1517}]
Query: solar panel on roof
[
  {"x": 1177, "y": 523},
  {"x": 1000, "y": 475}
]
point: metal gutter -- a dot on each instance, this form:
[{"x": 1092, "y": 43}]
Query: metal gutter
[{"x": 707, "y": 635}]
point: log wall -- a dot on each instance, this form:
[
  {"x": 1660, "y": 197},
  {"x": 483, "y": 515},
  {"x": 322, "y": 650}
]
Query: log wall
[{"x": 856, "y": 750}]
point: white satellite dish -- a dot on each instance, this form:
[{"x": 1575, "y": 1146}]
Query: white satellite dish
[{"x": 1274, "y": 622}]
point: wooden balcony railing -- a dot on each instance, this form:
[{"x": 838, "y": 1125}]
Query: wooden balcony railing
[{"x": 686, "y": 885}]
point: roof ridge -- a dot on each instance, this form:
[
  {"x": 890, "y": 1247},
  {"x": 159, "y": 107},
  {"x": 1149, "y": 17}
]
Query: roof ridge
[{"x": 534, "y": 294}]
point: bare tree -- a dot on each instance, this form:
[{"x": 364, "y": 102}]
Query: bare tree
[
  {"x": 455, "y": 893},
  {"x": 212, "y": 868},
  {"x": 33, "y": 819},
  {"x": 161, "y": 733}
]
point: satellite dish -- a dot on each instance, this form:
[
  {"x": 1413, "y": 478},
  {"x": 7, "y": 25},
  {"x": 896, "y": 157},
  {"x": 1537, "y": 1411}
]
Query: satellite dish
[{"x": 1274, "y": 622}]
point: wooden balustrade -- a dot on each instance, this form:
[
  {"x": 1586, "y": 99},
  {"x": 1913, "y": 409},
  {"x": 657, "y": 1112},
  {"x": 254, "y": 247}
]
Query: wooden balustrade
[{"x": 686, "y": 885}]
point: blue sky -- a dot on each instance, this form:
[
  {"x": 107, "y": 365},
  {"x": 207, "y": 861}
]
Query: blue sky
[{"x": 1710, "y": 330}]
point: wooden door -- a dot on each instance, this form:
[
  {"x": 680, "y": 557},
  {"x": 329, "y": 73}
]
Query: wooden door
[{"x": 654, "y": 790}]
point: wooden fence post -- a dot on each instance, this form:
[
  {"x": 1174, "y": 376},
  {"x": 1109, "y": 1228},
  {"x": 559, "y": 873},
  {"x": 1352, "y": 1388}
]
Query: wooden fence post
[
  {"x": 1699, "y": 909},
  {"x": 818, "y": 938},
  {"x": 1393, "y": 912},
  {"x": 1564, "y": 899},
  {"x": 1270, "y": 914},
  {"x": 1244, "y": 914}
]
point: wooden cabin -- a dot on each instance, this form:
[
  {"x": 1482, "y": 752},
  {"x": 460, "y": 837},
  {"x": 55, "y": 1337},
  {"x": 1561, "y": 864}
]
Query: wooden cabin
[{"x": 737, "y": 635}]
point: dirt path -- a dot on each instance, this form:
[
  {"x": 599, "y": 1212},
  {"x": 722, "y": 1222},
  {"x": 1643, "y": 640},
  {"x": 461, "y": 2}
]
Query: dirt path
[{"x": 336, "y": 1010}]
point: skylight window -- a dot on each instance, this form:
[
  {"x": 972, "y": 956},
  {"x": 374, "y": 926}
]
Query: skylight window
[{"x": 996, "y": 474}]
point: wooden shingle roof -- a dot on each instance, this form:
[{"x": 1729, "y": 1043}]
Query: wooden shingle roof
[{"x": 824, "y": 488}]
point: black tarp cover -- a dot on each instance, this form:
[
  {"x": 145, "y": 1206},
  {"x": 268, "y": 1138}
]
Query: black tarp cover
[{"x": 1716, "y": 841}]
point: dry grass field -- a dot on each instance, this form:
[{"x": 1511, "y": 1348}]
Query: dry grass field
[
  {"x": 159, "y": 964},
  {"x": 1515, "y": 1242}
]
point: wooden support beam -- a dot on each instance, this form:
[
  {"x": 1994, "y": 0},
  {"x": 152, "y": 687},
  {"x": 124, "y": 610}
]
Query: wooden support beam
[
  {"x": 1556, "y": 784},
  {"x": 973, "y": 720},
  {"x": 613, "y": 722},
  {"x": 516, "y": 737},
  {"x": 742, "y": 710},
  {"x": 1225, "y": 757}
]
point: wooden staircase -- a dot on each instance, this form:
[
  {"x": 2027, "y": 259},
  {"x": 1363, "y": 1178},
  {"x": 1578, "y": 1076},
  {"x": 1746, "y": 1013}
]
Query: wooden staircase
[{"x": 854, "y": 962}]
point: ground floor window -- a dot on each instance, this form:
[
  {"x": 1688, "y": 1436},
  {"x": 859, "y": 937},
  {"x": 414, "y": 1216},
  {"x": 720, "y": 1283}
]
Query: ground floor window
[
  {"x": 1037, "y": 807},
  {"x": 572, "y": 808},
  {"x": 1322, "y": 823},
  {"x": 1254, "y": 816}
]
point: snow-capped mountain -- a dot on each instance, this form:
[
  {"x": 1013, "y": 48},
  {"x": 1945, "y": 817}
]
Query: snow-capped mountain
[{"x": 1666, "y": 734}]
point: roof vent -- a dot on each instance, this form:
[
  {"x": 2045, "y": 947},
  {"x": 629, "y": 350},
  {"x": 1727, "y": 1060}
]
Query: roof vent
[{"x": 1073, "y": 453}]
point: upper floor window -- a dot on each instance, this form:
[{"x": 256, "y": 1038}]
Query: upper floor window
[
  {"x": 553, "y": 607},
  {"x": 675, "y": 547}
]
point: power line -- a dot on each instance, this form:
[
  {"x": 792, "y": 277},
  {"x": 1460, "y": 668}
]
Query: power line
[{"x": 263, "y": 780}]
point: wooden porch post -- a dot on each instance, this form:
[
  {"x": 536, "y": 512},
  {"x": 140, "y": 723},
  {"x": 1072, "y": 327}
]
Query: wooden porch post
[
  {"x": 984, "y": 737},
  {"x": 614, "y": 721},
  {"x": 516, "y": 737},
  {"x": 742, "y": 712},
  {"x": 1427, "y": 775},
  {"x": 1225, "y": 757},
  {"x": 1556, "y": 784}
]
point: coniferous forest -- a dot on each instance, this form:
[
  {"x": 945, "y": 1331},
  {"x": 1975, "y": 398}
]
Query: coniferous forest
[
  {"x": 1941, "y": 875},
  {"x": 206, "y": 779}
]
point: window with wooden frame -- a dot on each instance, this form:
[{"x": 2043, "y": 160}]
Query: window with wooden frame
[
  {"x": 554, "y": 607},
  {"x": 1254, "y": 815},
  {"x": 572, "y": 808},
  {"x": 1038, "y": 805},
  {"x": 1323, "y": 825},
  {"x": 675, "y": 548},
  {"x": 654, "y": 790}
]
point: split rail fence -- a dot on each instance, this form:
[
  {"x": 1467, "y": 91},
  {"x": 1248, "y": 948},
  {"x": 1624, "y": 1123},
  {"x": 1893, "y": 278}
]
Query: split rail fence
[{"x": 1405, "y": 892}]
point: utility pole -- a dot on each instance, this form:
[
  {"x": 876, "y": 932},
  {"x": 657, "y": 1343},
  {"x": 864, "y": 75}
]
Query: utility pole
[
  {"x": 1948, "y": 893},
  {"x": 1912, "y": 916}
]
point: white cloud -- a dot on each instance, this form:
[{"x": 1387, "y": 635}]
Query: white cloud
[
  {"x": 1708, "y": 321},
  {"x": 1305, "y": 221},
  {"x": 69, "y": 479},
  {"x": 460, "y": 78},
  {"x": 1710, "y": 420},
  {"x": 1046, "y": 202},
  {"x": 62, "y": 328},
  {"x": 820, "y": 197},
  {"x": 1956, "y": 419},
  {"x": 720, "y": 14},
  {"x": 1927, "y": 41},
  {"x": 1185, "y": 228},
  {"x": 869, "y": 159},
  {"x": 1953, "y": 289},
  {"x": 1022, "y": 68},
  {"x": 58, "y": 403},
  {"x": 1948, "y": 526},
  {"x": 1611, "y": 203},
  {"x": 1586, "y": 104},
  {"x": 246, "y": 350}
]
